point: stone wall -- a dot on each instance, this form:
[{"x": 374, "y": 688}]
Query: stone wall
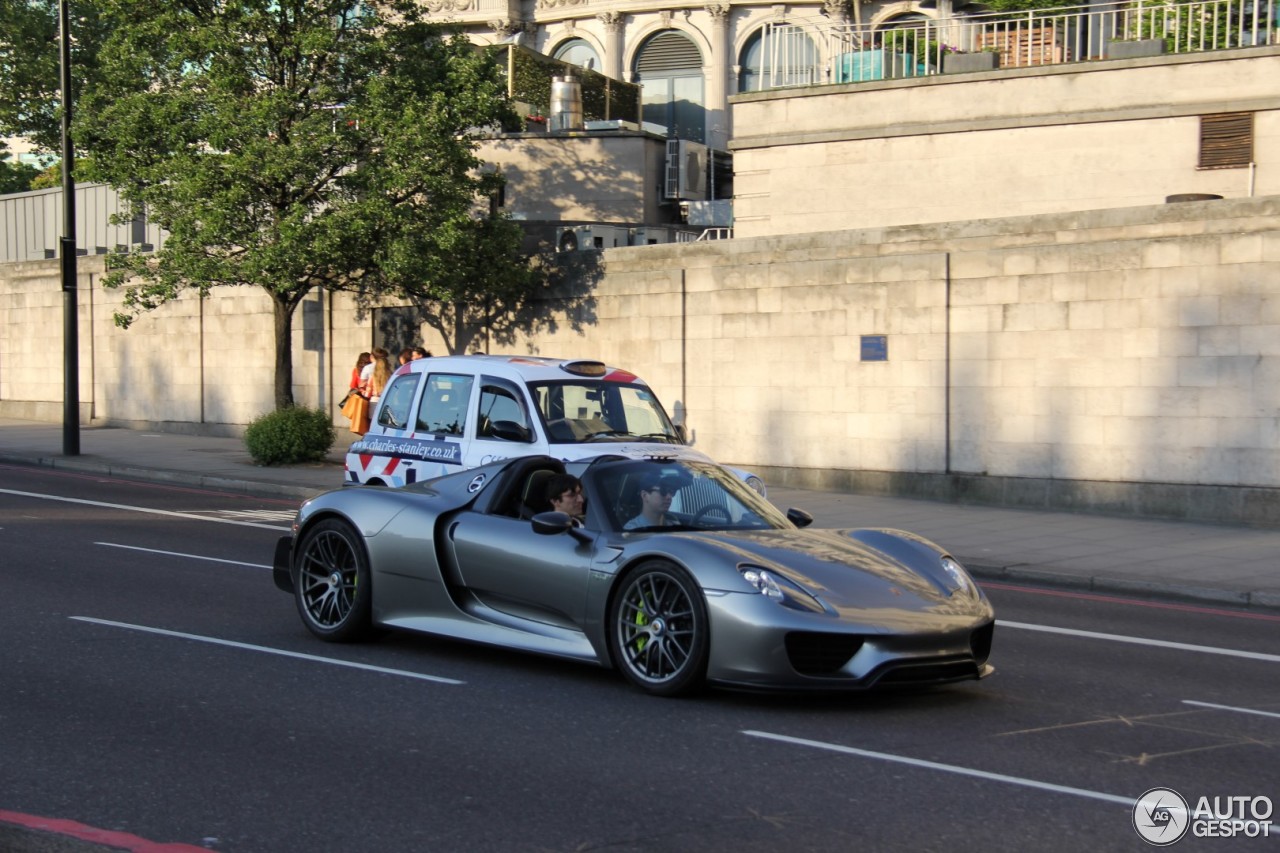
[{"x": 1125, "y": 360}]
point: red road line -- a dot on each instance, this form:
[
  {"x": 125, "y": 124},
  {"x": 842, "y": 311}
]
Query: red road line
[{"x": 121, "y": 840}]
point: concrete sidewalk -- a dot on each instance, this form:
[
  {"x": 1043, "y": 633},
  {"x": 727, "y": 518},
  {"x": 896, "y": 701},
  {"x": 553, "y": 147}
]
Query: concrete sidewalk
[{"x": 1201, "y": 562}]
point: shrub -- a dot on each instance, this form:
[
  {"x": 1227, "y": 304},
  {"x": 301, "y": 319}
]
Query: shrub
[{"x": 286, "y": 436}]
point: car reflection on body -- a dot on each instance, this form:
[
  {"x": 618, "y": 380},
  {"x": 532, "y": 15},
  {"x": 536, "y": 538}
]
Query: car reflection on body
[{"x": 724, "y": 589}]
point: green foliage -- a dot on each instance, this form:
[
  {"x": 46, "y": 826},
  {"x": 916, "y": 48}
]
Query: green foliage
[
  {"x": 602, "y": 97},
  {"x": 292, "y": 146},
  {"x": 30, "y": 80},
  {"x": 290, "y": 435},
  {"x": 15, "y": 177},
  {"x": 1021, "y": 5},
  {"x": 49, "y": 178}
]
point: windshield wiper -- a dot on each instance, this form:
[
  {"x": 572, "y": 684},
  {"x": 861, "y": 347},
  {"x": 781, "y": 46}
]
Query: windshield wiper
[{"x": 661, "y": 436}]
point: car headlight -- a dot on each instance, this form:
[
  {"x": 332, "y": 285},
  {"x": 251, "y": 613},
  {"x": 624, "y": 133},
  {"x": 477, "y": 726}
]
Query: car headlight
[
  {"x": 775, "y": 586},
  {"x": 958, "y": 579},
  {"x": 757, "y": 485}
]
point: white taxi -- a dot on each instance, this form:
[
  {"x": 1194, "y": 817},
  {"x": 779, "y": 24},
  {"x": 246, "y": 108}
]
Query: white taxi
[{"x": 439, "y": 415}]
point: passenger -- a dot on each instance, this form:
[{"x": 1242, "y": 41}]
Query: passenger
[
  {"x": 564, "y": 493},
  {"x": 655, "y": 504},
  {"x": 418, "y": 352}
]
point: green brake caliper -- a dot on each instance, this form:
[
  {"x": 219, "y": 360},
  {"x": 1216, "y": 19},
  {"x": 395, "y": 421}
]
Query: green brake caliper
[{"x": 641, "y": 621}]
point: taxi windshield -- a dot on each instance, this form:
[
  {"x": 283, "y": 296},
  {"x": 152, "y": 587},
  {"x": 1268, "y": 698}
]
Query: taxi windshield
[{"x": 584, "y": 411}]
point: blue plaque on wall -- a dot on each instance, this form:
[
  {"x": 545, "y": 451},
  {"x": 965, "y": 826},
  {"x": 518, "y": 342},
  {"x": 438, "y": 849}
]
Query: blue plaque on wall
[{"x": 875, "y": 347}]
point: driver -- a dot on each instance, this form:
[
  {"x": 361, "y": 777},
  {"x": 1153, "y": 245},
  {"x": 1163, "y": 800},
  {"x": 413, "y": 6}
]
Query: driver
[{"x": 655, "y": 504}]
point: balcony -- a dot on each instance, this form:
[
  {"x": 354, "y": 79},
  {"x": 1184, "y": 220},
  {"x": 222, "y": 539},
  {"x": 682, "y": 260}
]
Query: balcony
[{"x": 851, "y": 52}]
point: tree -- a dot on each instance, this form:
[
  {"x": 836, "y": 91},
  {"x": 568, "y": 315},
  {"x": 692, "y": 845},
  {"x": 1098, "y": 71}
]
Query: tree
[
  {"x": 15, "y": 177},
  {"x": 299, "y": 144},
  {"x": 30, "y": 100}
]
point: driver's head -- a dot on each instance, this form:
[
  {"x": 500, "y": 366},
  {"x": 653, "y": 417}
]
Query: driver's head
[{"x": 656, "y": 493}]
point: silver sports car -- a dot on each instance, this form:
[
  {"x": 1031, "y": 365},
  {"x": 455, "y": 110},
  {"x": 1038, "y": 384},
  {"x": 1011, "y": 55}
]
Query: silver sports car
[{"x": 670, "y": 570}]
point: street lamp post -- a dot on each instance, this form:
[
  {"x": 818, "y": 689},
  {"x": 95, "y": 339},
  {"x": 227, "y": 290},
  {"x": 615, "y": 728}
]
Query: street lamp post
[{"x": 70, "y": 337}]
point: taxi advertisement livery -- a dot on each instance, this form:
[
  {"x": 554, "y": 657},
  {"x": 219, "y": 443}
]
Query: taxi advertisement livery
[{"x": 448, "y": 452}]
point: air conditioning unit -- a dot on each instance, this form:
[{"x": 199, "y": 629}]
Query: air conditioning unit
[
  {"x": 590, "y": 238},
  {"x": 649, "y": 236},
  {"x": 686, "y": 170}
]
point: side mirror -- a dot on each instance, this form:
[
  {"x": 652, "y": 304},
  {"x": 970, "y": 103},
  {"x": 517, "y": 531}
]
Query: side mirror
[
  {"x": 799, "y": 517},
  {"x": 553, "y": 523},
  {"x": 682, "y": 433},
  {"x": 510, "y": 431}
]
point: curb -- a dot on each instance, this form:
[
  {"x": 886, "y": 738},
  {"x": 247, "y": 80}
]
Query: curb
[
  {"x": 1252, "y": 600},
  {"x": 160, "y": 475}
]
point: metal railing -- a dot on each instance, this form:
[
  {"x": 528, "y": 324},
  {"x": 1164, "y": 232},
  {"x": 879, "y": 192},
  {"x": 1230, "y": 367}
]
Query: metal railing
[
  {"x": 704, "y": 235},
  {"x": 807, "y": 53}
]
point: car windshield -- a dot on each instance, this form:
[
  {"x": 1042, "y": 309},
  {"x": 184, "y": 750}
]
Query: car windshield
[
  {"x": 579, "y": 412},
  {"x": 674, "y": 495}
]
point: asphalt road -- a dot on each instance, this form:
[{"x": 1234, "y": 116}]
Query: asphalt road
[{"x": 156, "y": 685}]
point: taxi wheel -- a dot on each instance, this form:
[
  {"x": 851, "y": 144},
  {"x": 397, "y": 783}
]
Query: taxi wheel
[{"x": 332, "y": 582}]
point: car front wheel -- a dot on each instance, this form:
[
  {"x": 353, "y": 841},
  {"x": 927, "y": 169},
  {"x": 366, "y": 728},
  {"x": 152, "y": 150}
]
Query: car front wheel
[
  {"x": 659, "y": 631},
  {"x": 331, "y": 582}
]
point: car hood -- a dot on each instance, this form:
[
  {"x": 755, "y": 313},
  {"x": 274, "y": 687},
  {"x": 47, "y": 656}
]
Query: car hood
[
  {"x": 853, "y": 572},
  {"x": 621, "y": 446}
]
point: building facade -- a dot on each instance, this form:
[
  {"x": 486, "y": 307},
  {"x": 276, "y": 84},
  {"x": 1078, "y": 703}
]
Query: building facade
[{"x": 689, "y": 57}]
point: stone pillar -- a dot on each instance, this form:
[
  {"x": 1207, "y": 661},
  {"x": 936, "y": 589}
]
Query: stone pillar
[
  {"x": 613, "y": 45},
  {"x": 718, "y": 130}
]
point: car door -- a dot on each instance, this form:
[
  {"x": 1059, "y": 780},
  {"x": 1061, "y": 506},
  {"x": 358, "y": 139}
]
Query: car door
[{"x": 525, "y": 574}]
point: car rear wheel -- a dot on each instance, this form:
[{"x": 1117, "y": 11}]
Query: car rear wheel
[
  {"x": 331, "y": 582},
  {"x": 659, "y": 633}
]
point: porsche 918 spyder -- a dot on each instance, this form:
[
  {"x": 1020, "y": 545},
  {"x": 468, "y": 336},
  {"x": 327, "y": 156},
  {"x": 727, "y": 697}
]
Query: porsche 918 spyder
[{"x": 676, "y": 574}]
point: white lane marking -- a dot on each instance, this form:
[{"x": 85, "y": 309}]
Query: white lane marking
[
  {"x": 179, "y": 554},
  {"x": 946, "y": 768},
  {"x": 129, "y": 508},
  {"x": 249, "y": 647},
  {"x": 1142, "y": 641},
  {"x": 1230, "y": 708}
]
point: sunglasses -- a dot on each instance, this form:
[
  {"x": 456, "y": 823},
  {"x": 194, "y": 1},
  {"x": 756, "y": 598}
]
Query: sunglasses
[{"x": 665, "y": 490}]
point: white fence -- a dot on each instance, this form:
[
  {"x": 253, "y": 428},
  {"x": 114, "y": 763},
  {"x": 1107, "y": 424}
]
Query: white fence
[
  {"x": 833, "y": 52},
  {"x": 31, "y": 224}
]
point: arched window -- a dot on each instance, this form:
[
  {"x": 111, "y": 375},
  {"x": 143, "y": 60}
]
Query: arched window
[
  {"x": 669, "y": 69},
  {"x": 578, "y": 52},
  {"x": 778, "y": 55}
]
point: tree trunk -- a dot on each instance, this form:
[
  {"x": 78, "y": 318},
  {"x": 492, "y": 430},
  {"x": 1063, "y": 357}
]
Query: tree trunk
[{"x": 283, "y": 306}]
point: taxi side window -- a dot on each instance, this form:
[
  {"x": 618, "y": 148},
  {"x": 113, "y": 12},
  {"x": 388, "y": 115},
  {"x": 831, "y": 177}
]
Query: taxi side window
[
  {"x": 500, "y": 403},
  {"x": 444, "y": 404},
  {"x": 397, "y": 401}
]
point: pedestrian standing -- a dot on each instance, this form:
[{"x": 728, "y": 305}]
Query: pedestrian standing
[
  {"x": 355, "y": 406},
  {"x": 379, "y": 375}
]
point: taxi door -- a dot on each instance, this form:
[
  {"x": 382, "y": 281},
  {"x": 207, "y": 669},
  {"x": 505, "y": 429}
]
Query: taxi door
[{"x": 503, "y": 423}]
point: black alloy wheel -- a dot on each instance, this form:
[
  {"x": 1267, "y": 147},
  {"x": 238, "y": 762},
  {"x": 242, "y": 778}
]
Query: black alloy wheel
[
  {"x": 331, "y": 582},
  {"x": 659, "y": 633}
]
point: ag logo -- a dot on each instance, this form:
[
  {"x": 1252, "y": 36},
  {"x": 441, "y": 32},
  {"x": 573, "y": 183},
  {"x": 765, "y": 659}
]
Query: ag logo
[{"x": 1161, "y": 816}]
